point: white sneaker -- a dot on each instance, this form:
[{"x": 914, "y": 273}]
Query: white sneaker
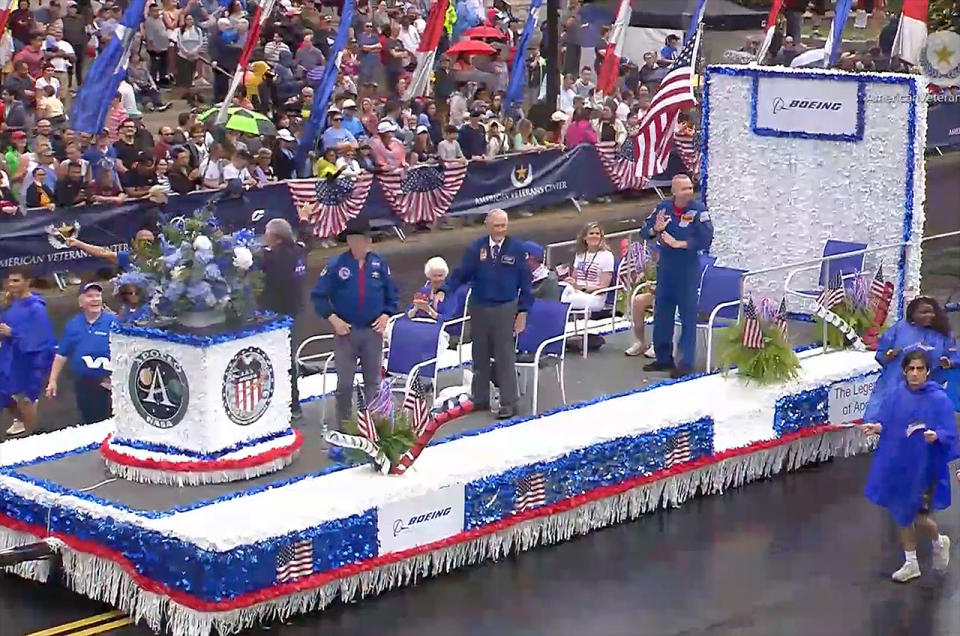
[
  {"x": 634, "y": 350},
  {"x": 17, "y": 428},
  {"x": 650, "y": 353},
  {"x": 908, "y": 571},
  {"x": 941, "y": 553}
]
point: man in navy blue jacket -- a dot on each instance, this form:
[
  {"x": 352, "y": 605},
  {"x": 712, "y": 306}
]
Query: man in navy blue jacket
[
  {"x": 357, "y": 295},
  {"x": 683, "y": 228},
  {"x": 496, "y": 268}
]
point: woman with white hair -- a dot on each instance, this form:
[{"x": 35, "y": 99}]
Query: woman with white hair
[{"x": 436, "y": 270}]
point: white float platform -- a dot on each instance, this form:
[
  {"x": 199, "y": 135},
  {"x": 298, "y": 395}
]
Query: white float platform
[{"x": 222, "y": 562}]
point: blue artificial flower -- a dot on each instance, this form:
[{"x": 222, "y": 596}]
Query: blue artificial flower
[
  {"x": 172, "y": 259},
  {"x": 225, "y": 243},
  {"x": 201, "y": 295},
  {"x": 212, "y": 272},
  {"x": 203, "y": 256},
  {"x": 244, "y": 238},
  {"x": 213, "y": 223},
  {"x": 173, "y": 290},
  {"x": 220, "y": 289}
]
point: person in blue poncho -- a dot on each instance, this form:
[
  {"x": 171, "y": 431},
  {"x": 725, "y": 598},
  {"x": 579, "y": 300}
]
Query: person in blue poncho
[
  {"x": 924, "y": 326},
  {"x": 910, "y": 475},
  {"x": 27, "y": 347}
]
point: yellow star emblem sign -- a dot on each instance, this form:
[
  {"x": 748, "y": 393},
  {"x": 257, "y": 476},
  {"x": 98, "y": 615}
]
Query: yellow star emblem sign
[
  {"x": 943, "y": 55},
  {"x": 521, "y": 173}
]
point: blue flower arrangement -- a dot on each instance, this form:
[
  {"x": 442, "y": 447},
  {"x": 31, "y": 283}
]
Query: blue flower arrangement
[{"x": 198, "y": 269}]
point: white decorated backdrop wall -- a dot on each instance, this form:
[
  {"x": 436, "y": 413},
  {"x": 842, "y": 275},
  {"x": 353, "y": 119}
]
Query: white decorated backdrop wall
[{"x": 775, "y": 200}]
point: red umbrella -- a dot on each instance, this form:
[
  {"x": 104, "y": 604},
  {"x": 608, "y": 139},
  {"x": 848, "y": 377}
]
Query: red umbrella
[
  {"x": 471, "y": 47},
  {"x": 483, "y": 32}
]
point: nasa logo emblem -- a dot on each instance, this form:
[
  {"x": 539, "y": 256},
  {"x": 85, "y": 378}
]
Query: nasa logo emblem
[
  {"x": 158, "y": 388},
  {"x": 247, "y": 386}
]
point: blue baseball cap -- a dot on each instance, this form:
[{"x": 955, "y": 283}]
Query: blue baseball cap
[{"x": 534, "y": 250}]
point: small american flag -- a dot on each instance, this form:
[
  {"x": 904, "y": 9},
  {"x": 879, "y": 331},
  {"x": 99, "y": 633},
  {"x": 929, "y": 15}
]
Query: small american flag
[
  {"x": 677, "y": 450},
  {"x": 531, "y": 492},
  {"x": 879, "y": 290},
  {"x": 295, "y": 560},
  {"x": 332, "y": 202},
  {"x": 834, "y": 293},
  {"x": 366, "y": 427},
  {"x": 752, "y": 337},
  {"x": 415, "y": 401},
  {"x": 687, "y": 143},
  {"x": 620, "y": 164},
  {"x": 659, "y": 124},
  {"x": 780, "y": 318},
  {"x": 423, "y": 194}
]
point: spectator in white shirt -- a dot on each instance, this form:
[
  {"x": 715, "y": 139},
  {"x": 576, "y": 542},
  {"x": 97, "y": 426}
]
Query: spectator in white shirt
[
  {"x": 273, "y": 48},
  {"x": 592, "y": 270},
  {"x": 236, "y": 170},
  {"x": 585, "y": 84},
  {"x": 409, "y": 35},
  {"x": 211, "y": 169},
  {"x": 567, "y": 93}
]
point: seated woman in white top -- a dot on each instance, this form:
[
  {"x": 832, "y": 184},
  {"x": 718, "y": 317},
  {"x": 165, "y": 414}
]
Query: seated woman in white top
[{"x": 592, "y": 270}]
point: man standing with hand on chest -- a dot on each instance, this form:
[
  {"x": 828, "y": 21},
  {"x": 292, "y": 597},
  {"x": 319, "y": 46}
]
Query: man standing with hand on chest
[
  {"x": 682, "y": 227},
  {"x": 357, "y": 295},
  {"x": 496, "y": 268}
]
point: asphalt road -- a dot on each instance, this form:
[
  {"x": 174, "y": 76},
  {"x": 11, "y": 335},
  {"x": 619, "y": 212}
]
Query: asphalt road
[{"x": 787, "y": 556}]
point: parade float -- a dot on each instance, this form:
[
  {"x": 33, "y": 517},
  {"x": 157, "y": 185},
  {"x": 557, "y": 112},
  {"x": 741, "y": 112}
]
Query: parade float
[{"x": 192, "y": 560}]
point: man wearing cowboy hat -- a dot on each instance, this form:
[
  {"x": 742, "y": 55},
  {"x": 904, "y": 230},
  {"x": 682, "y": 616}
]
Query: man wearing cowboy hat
[{"x": 357, "y": 295}]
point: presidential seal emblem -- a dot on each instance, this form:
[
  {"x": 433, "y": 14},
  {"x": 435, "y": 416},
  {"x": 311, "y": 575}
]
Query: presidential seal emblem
[
  {"x": 247, "y": 386},
  {"x": 158, "y": 388}
]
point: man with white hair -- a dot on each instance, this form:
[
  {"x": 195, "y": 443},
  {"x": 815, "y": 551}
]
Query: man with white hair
[
  {"x": 284, "y": 266},
  {"x": 495, "y": 267}
]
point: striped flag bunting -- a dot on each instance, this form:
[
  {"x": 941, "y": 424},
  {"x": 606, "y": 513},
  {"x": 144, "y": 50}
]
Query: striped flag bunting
[
  {"x": 620, "y": 164},
  {"x": 677, "y": 450},
  {"x": 423, "y": 194},
  {"x": 415, "y": 402},
  {"x": 332, "y": 202},
  {"x": 295, "y": 560},
  {"x": 366, "y": 427},
  {"x": 531, "y": 492},
  {"x": 752, "y": 337},
  {"x": 675, "y": 95},
  {"x": 834, "y": 293}
]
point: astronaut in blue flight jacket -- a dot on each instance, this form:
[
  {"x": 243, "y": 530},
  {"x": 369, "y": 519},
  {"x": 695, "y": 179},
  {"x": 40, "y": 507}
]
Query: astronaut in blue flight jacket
[{"x": 682, "y": 227}]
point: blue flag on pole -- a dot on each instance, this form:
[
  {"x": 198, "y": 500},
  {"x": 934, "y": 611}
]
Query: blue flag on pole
[
  {"x": 696, "y": 19},
  {"x": 831, "y": 48},
  {"x": 90, "y": 107},
  {"x": 518, "y": 72},
  {"x": 321, "y": 98}
]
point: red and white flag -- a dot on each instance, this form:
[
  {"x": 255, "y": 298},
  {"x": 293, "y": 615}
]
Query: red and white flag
[
  {"x": 771, "y": 28},
  {"x": 253, "y": 38},
  {"x": 674, "y": 96},
  {"x": 912, "y": 32},
  {"x": 427, "y": 51},
  {"x": 607, "y": 80},
  {"x": 4, "y": 14}
]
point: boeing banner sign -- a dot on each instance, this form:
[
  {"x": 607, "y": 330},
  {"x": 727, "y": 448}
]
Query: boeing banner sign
[
  {"x": 808, "y": 108},
  {"x": 409, "y": 523}
]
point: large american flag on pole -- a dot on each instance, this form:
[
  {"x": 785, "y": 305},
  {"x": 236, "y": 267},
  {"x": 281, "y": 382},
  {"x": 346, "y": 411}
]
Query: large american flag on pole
[
  {"x": 620, "y": 164},
  {"x": 332, "y": 202},
  {"x": 675, "y": 95},
  {"x": 423, "y": 194}
]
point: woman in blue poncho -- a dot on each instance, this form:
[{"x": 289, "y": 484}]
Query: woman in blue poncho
[
  {"x": 924, "y": 326},
  {"x": 910, "y": 476}
]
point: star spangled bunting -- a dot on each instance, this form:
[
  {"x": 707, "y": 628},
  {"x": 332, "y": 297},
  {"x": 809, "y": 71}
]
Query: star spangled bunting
[
  {"x": 415, "y": 402},
  {"x": 780, "y": 319},
  {"x": 752, "y": 337},
  {"x": 333, "y": 201},
  {"x": 659, "y": 124},
  {"x": 531, "y": 492},
  {"x": 425, "y": 193},
  {"x": 677, "y": 450},
  {"x": 295, "y": 560},
  {"x": 834, "y": 293},
  {"x": 620, "y": 164},
  {"x": 366, "y": 427}
]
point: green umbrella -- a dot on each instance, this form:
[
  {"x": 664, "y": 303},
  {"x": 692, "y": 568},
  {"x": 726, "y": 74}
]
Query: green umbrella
[{"x": 241, "y": 120}]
